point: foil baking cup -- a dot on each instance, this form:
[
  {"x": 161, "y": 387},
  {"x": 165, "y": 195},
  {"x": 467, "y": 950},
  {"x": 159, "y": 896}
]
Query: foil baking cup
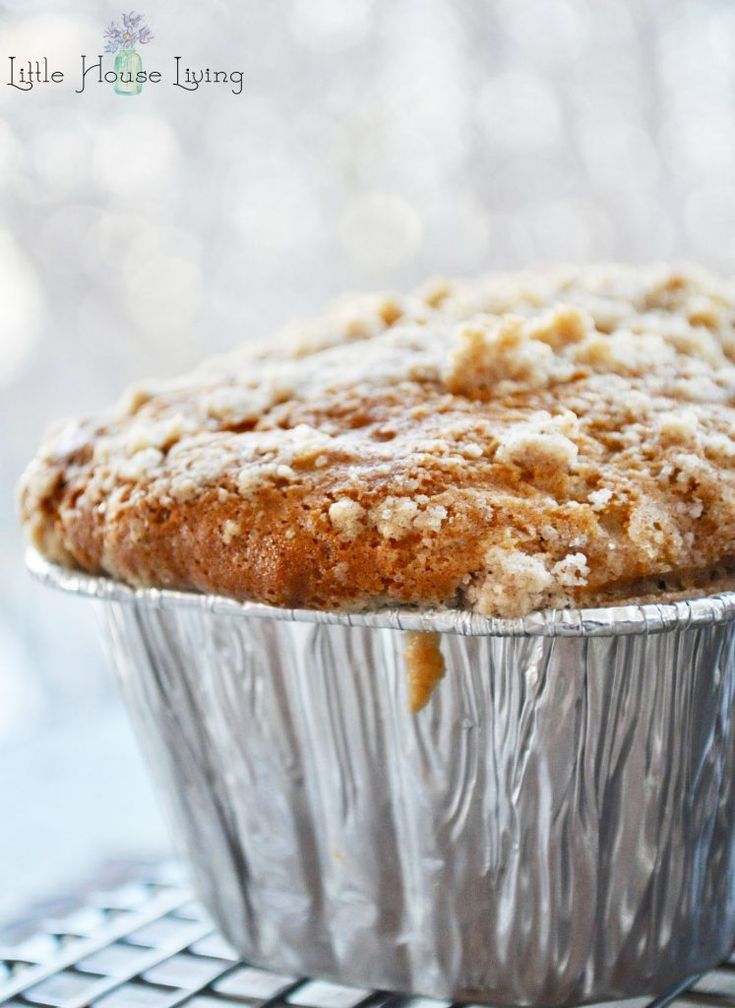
[{"x": 556, "y": 827}]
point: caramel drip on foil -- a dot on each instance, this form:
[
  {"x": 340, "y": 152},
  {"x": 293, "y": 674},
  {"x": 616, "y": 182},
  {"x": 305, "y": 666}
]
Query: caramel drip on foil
[{"x": 424, "y": 667}]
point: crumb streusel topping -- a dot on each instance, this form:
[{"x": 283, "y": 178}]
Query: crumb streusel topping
[{"x": 537, "y": 439}]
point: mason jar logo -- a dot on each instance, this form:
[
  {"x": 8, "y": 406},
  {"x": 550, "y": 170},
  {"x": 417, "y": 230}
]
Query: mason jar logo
[{"x": 123, "y": 39}]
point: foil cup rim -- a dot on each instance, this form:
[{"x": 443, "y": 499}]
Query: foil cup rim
[{"x": 612, "y": 621}]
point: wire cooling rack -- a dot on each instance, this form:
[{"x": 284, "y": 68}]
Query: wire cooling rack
[{"x": 147, "y": 943}]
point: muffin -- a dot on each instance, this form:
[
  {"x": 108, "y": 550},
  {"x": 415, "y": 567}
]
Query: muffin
[
  {"x": 540, "y": 439},
  {"x": 418, "y": 476}
]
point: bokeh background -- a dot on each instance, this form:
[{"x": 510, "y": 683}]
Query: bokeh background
[{"x": 375, "y": 142}]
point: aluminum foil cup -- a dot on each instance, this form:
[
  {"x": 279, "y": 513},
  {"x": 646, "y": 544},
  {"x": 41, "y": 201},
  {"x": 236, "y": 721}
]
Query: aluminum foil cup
[{"x": 556, "y": 827}]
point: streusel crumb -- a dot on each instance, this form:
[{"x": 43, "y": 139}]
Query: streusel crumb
[{"x": 553, "y": 438}]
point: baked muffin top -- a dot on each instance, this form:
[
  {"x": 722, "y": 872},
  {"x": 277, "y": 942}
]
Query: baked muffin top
[{"x": 550, "y": 438}]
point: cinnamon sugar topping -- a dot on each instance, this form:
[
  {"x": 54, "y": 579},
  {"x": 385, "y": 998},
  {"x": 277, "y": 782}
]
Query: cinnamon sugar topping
[{"x": 563, "y": 437}]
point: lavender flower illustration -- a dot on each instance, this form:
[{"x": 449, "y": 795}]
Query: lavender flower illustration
[{"x": 121, "y": 38}]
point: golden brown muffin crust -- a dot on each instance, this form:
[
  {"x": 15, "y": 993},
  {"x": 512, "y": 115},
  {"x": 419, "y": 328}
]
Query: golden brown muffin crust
[{"x": 545, "y": 438}]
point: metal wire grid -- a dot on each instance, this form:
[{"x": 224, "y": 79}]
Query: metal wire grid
[{"x": 150, "y": 944}]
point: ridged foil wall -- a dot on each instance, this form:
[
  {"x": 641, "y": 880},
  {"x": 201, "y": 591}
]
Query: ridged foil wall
[{"x": 557, "y": 826}]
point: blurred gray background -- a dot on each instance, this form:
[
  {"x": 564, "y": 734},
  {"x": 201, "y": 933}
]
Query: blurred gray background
[{"x": 375, "y": 142}]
